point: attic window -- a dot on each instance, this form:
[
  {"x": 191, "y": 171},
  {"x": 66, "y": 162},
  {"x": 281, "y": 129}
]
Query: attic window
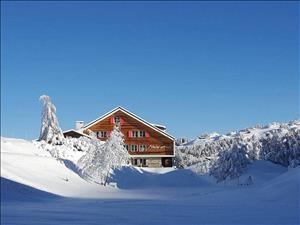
[{"x": 117, "y": 120}]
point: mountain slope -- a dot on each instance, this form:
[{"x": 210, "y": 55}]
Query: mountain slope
[{"x": 279, "y": 143}]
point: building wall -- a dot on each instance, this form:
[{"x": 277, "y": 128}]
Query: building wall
[
  {"x": 156, "y": 143},
  {"x": 154, "y": 162}
]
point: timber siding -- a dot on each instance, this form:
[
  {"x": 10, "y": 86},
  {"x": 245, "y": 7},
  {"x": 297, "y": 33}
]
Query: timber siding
[
  {"x": 156, "y": 143},
  {"x": 154, "y": 148}
]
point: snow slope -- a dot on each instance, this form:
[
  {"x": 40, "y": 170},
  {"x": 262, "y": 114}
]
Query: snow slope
[
  {"x": 32, "y": 179},
  {"x": 276, "y": 201},
  {"x": 23, "y": 162}
]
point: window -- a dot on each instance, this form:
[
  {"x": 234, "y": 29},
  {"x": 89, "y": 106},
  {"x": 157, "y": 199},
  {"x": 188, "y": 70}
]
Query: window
[
  {"x": 143, "y": 148},
  {"x": 127, "y": 147},
  {"x": 138, "y": 133},
  {"x": 135, "y": 133},
  {"x": 142, "y": 133},
  {"x": 117, "y": 120},
  {"x": 134, "y": 148},
  {"x": 139, "y": 162},
  {"x": 142, "y": 162},
  {"x": 102, "y": 134}
]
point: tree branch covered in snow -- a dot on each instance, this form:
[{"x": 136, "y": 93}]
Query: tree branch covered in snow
[{"x": 72, "y": 148}]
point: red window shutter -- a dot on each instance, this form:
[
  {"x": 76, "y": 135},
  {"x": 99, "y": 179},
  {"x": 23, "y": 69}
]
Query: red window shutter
[
  {"x": 112, "y": 120},
  {"x": 130, "y": 133},
  {"x": 108, "y": 133},
  {"x": 147, "y": 134},
  {"x": 122, "y": 121}
]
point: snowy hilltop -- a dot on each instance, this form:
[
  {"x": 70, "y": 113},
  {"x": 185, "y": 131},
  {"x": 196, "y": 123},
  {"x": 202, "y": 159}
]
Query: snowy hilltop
[{"x": 227, "y": 156}]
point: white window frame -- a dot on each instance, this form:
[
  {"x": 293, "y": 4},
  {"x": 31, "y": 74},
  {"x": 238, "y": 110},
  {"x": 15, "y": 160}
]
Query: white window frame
[
  {"x": 142, "y": 133},
  {"x": 135, "y": 133},
  {"x": 134, "y": 148},
  {"x": 102, "y": 134},
  {"x": 142, "y": 148},
  {"x": 117, "y": 120},
  {"x": 126, "y": 146}
]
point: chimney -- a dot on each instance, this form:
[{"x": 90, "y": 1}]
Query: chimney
[{"x": 79, "y": 125}]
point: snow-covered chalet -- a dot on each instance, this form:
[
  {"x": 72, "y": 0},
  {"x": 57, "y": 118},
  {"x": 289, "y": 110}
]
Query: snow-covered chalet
[{"x": 149, "y": 145}]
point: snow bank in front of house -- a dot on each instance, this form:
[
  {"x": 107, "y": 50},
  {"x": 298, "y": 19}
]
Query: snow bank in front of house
[{"x": 161, "y": 170}]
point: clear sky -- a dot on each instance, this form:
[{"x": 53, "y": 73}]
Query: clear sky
[{"x": 196, "y": 67}]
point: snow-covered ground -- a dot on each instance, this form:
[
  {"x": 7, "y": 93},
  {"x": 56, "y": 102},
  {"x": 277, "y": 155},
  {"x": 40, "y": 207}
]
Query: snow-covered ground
[
  {"x": 23, "y": 162},
  {"x": 39, "y": 189}
]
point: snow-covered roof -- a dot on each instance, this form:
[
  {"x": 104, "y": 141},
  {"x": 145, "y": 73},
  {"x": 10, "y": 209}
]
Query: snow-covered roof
[
  {"x": 119, "y": 108},
  {"x": 159, "y": 126},
  {"x": 80, "y": 131}
]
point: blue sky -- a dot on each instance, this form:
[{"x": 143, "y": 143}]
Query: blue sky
[{"x": 196, "y": 67}]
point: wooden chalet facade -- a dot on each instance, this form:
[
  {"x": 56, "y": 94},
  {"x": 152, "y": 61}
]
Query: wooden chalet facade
[{"x": 148, "y": 144}]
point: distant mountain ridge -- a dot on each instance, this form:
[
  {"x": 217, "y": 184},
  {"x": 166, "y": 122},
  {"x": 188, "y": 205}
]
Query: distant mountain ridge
[{"x": 276, "y": 142}]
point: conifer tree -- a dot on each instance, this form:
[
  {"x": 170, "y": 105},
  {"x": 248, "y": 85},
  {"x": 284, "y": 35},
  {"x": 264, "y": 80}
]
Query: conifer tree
[{"x": 50, "y": 132}]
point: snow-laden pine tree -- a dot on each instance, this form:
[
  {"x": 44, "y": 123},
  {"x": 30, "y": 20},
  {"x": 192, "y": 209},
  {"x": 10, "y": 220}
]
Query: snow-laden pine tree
[
  {"x": 50, "y": 130},
  {"x": 100, "y": 160},
  {"x": 230, "y": 164},
  {"x": 282, "y": 146},
  {"x": 279, "y": 143}
]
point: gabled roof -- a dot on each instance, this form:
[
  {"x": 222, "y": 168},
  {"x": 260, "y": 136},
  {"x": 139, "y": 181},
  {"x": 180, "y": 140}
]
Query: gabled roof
[
  {"x": 77, "y": 131},
  {"x": 119, "y": 108}
]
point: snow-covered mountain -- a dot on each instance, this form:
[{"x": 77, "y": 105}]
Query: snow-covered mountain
[{"x": 276, "y": 142}]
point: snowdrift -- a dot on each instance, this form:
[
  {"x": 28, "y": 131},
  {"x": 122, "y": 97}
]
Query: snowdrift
[
  {"x": 139, "y": 178},
  {"x": 24, "y": 163},
  {"x": 284, "y": 187}
]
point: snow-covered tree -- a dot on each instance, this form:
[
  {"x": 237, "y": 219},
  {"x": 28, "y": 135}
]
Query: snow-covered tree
[
  {"x": 100, "y": 160},
  {"x": 230, "y": 164},
  {"x": 50, "y": 130},
  {"x": 279, "y": 143},
  {"x": 282, "y": 146}
]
